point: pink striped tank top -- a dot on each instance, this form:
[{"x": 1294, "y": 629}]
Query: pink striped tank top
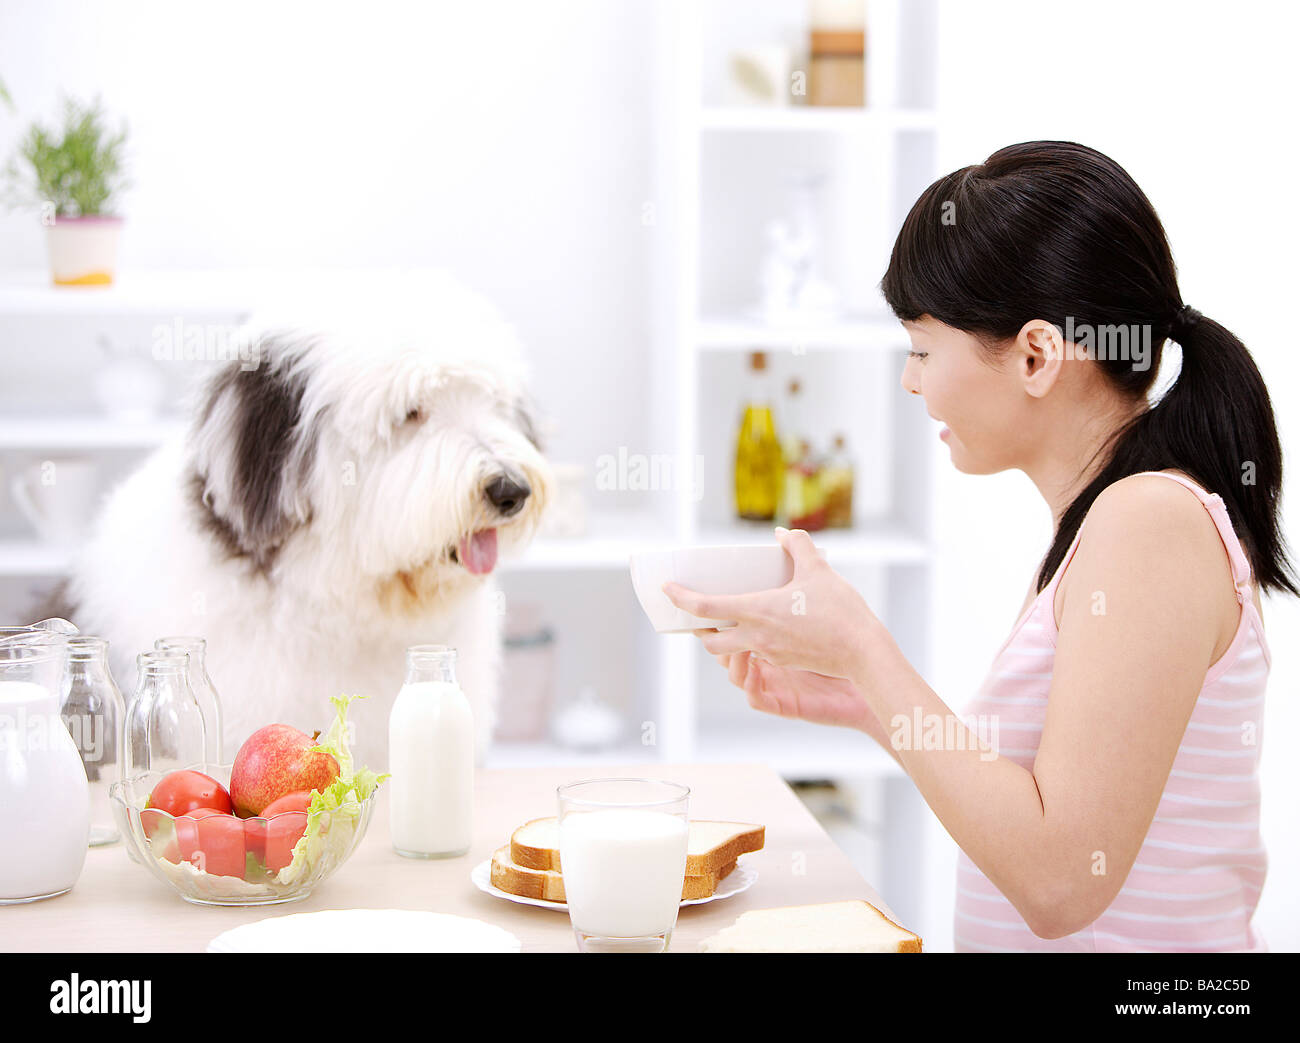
[{"x": 1198, "y": 875}]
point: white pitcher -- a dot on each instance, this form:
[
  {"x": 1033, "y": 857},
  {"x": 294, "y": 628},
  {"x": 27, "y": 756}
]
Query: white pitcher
[{"x": 44, "y": 795}]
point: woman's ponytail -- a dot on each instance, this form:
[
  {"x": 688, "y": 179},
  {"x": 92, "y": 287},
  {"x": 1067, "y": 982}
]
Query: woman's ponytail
[{"x": 1216, "y": 424}]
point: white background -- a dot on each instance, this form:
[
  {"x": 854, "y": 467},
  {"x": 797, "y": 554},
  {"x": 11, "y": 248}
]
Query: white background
[{"x": 512, "y": 142}]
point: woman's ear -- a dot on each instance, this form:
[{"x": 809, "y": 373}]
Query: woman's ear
[{"x": 1039, "y": 355}]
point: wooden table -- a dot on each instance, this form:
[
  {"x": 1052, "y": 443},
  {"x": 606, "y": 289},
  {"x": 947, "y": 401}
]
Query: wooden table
[{"x": 117, "y": 906}]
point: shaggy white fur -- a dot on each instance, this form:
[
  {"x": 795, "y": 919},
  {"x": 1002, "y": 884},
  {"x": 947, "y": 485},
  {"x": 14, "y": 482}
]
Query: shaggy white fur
[{"x": 320, "y": 517}]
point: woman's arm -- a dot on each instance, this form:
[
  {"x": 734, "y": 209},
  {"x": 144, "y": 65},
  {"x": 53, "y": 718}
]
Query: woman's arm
[{"x": 1143, "y": 605}]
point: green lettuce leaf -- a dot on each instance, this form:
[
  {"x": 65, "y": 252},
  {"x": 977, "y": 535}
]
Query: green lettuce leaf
[{"x": 340, "y": 804}]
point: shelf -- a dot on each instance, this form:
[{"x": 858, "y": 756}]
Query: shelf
[
  {"x": 796, "y": 749},
  {"x": 30, "y": 293},
  {"x": 31, "y": 557},
  {"x": 876, "y": 544},
  {"x": 873, "y": 333},
  {"x": 549, "y": 754},
  {"x": 613, "y": 538},
  {"x": 810, "y": 118},
  {"x": 85, "y": 432},
  {"x": 868, "y": 546},
  {"x": 609, "y": 540}
]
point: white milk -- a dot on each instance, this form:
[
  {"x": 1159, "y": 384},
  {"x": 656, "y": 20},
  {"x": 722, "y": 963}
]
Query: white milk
[
  {"x": 44, "y": 796},
  {"x": 623, "y": 870},
  {"x": 431, "y": 758}
]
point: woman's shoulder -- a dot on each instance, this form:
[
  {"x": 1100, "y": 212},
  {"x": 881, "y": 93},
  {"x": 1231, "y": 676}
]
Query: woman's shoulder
[
  {"x": 1151, "y": 501},
  {"x": 1145, "y": 530}
]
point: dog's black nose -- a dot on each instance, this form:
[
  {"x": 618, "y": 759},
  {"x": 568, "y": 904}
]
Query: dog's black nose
[{"x": 507, "y": 494}]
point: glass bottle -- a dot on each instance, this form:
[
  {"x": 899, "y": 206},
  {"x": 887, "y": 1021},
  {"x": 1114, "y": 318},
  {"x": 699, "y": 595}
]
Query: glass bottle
[
  {"x": 803, "y": 504},
  {"x": 164, "y": 728},
  {"x": 837, "y": 480},
  {"x": 204, "y": 690},
  {"x": 431, "y": 758},
  {"x": 93, "y": 711},
  {"x": 758, "y": 452}
]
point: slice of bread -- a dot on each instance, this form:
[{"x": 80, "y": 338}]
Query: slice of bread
[
  {"x": 833, "y": 927},
  {"x": 548, "y": 885},
  {"x": 523, "y": 881},
  {"x": 710, "y": 845}
]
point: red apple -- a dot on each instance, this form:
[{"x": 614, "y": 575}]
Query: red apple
[{"x": 275, "y": 761}]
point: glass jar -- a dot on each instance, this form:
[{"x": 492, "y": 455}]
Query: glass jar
[
  {"x": 204, "y": 691},
  {"x": 164, "y": 728},
  {"x": 93, "y": 711}
]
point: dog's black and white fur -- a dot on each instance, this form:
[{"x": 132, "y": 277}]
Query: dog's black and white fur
[{"x": 316, "y": 521}]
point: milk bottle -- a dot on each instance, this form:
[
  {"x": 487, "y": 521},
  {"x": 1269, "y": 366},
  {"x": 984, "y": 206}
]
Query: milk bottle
[{"x": 431, "y": 758}]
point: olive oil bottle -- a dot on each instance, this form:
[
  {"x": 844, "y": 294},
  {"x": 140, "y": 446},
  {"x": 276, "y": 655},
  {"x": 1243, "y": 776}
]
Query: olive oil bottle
[
  {"x": 760, "y": 469},
  {"x": 803, "y": 501},
  {"x": 837, "y": 484}
]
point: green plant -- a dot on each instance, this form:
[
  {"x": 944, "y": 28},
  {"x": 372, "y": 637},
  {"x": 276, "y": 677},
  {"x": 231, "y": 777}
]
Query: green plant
[{"x": 78, "y": 171}]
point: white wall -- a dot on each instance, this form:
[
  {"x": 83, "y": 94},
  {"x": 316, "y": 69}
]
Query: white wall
[
  {"x": 511, "y": 141},
  {"x": 1197, "y": 101},
  {"x": 507, "y": 141}
]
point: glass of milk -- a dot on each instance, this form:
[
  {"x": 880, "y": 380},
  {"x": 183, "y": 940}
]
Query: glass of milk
[{"x": 623, "y": 859}]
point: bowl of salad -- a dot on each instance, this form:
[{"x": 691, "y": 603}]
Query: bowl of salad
[{"x": 185, "y": 827}]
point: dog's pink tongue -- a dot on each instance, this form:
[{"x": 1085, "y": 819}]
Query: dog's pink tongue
[{"x": 479, "y": 552}]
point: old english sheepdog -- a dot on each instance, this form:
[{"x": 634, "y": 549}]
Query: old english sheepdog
[{"x": 342, "y": 497}]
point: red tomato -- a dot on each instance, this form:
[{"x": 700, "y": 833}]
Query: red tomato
[
  {"x": 173, "y": 833},
  {"x": 300, "y": 801},
  {"x": 255, "y": 837},
  {"x": 154, "y": 822},
  {"x": 278, "y": 836},
  {"x": 212, "y": 842},
  {"x": 180, "y": 791}
]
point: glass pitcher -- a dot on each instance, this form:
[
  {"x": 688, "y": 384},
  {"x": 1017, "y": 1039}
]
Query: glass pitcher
[{"x": 44, "y": 795}]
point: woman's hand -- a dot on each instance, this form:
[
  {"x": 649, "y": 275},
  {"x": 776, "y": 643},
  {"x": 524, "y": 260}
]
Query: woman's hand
[
  {"x": 816, "y": 622},
  {"x": 786, "y": 692}
]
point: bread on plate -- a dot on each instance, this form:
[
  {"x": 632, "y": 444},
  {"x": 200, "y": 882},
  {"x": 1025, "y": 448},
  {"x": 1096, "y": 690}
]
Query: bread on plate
[{"x": 529, "y": 866}]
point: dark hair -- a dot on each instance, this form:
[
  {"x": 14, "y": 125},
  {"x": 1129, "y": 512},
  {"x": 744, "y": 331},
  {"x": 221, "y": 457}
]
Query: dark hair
[{"x": 1054, "y": 230}]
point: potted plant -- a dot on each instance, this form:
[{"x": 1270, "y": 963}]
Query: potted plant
[{"x": 74, "y": 176}]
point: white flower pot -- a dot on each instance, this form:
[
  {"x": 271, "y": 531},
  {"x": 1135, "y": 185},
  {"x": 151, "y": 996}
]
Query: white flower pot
[{"x": 83, "y": 250}]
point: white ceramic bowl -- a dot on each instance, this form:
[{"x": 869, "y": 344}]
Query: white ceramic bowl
[{"x": 709, "y": 570}]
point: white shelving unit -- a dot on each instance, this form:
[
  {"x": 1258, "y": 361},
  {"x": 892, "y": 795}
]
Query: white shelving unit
[{"x": 717, "y": 183}]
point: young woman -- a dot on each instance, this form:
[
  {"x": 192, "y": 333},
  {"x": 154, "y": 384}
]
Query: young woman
[{"x": 1122, "y": 812}]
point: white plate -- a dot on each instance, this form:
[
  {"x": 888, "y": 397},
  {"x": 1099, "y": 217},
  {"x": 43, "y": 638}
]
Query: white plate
[
  {"x": 739, "y": 879},
  {"x": 366, "y": 930}
]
